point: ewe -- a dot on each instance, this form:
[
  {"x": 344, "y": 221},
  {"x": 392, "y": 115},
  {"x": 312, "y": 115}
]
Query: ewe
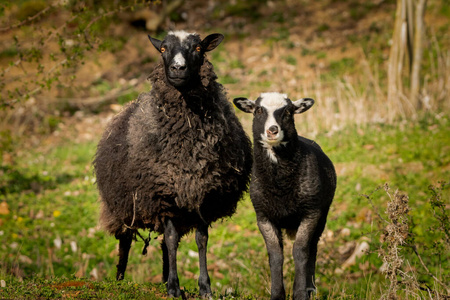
[{"x": 175, "y": 160}]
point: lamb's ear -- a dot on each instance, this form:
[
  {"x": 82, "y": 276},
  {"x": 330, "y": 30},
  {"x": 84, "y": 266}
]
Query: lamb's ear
[
  {"x": 211, "y": 41},
  {"x": 245, "y": 104},
  {"x": 156, "y": 43},
  {"x": 303, "y": 105}
]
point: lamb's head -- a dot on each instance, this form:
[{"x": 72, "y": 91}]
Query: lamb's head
[
  {"x": 273, "y": 122},
  {"x": 183, "y": 55}
]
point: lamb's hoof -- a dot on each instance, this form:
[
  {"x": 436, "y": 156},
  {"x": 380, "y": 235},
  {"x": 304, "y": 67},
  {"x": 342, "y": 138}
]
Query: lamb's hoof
[{"x": 281, "y": 296}]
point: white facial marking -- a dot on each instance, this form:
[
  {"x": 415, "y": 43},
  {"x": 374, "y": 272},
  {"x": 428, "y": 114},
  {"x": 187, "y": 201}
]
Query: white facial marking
[
  {"x": 181, "y": 34},
  {"x": 271, "y": 102},
  {"x": 274, "y": 99},
  {"x": 179, "y": 60}
]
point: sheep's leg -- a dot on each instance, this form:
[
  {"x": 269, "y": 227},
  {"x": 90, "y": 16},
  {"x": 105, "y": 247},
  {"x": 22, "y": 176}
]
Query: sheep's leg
[
  {"x": 171, "y": 238},
  {"x": 165, "y": 261},
  {"x": 304, "y": 252},
  {"x": 204, "y": 283},
  {"x": 125, "y": 240},
  {"x": 274, "y": 244}
]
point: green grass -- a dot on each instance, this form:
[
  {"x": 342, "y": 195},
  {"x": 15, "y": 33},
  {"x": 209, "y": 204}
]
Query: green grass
[
  {"x": 50, "y": 235},
  {"x": 73, "y": 288}
]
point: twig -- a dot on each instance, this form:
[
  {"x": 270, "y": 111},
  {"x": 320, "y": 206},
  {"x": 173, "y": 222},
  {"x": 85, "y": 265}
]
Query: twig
[
  {"x": 93, "y": 101},
  {"x": 20, "y": 60},
  {"x": 109, "y": 13},
  {"x": 36, "y": 90},
  {"x": 29, "y": 19},
  {"x": 373, "y": 205},
  {"x": 428, "y": 271},
  {"x": 134, "y": 208}
]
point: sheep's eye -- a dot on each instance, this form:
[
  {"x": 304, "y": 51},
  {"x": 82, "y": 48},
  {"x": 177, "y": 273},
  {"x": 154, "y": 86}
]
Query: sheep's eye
[
  {"x": 163, "y": 49},
  {"x": 198, "y": 49}
]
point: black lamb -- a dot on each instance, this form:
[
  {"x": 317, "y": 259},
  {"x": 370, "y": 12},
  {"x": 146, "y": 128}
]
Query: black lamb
[
  {"x": 174, "y": 160},
  {"x": 292, "y": 187}
]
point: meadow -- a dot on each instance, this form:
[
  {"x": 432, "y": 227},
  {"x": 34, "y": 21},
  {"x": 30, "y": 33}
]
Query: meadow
[
  {"x": 50, "y": 209},
  {"x": 388, "y": 230}
]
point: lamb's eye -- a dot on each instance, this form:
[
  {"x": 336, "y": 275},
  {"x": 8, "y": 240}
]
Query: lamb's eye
[
  {"x": 258, "y": 110},
  {"x": 198, "y": 49},
  {"x": 163, "y": 49}
]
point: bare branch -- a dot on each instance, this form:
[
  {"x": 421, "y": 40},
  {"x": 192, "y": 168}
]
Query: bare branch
[
  {"x": 20, "y": 60},
  {"x": 29, "y": 19},
  {"x": 98, "y": 100},
  {"x": 428, "y": 271}
]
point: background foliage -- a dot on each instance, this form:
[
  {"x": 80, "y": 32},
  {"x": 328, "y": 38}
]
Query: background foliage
[{"x": 68, "y": 66}]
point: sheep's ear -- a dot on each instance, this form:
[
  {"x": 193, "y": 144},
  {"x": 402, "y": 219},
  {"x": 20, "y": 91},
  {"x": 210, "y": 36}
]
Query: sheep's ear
[
  {"x": 245, "y": 104},
  {"x": 211, "y": 41},
  {"x": 303, "y": 105},
  {"x": 156, "y": 43}
]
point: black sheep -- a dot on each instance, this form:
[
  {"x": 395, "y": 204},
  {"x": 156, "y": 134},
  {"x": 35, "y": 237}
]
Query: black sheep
[
  {"x": 175, "y": 160},
  {"x": 292, "y": 187}
]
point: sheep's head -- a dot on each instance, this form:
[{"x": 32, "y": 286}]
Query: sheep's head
[
  {"x": 273, "y": 116},
  {"x": 183, "y": 55}
]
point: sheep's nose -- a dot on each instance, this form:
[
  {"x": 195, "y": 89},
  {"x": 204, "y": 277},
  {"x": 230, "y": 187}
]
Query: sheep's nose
[
  {"x": 178, "y": 67},
  {"x": 272, "y": 130}
]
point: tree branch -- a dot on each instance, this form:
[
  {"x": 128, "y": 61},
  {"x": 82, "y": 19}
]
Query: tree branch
[
  {"x": 107, "y": 14},
  {"x": 29, "y": 19}
]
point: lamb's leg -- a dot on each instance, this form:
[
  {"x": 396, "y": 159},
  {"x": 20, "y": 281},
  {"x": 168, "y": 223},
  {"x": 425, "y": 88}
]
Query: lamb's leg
[
  {"x": 311, "y": 265},
  {"x": 125, "y": 240},
  {"x": 171, "y": 237},
  {"x": 304, "y": 252},
  {"x": 274, "y": 244},
  {"x": 204, "y": 283}
]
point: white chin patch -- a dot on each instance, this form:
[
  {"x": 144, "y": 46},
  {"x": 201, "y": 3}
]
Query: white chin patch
[
  {"x": 273, "y": 141},
  {"x": 270, "y": 144}
]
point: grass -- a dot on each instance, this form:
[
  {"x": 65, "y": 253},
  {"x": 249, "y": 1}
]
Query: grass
[
  {"x": 50, "y": 234},
  {"x": 74, "y": 288},
  {"x": 51, "y": 245}
]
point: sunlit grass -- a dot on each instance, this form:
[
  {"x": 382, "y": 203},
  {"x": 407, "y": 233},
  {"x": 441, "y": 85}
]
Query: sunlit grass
[{"x": 50, "y": 226}]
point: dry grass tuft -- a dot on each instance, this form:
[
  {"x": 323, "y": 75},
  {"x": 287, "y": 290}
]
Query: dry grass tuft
[{"x": 393, "y": 239}]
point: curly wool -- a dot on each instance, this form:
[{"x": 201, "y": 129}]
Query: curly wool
[{"x": 173, "y": 155}]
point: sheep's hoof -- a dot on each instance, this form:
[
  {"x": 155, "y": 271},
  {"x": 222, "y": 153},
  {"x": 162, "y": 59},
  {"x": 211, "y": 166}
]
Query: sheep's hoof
[
  {"x": 205, "y": 292},
  {"x": 174, "y": 293},
  {"x": 120, "y": 276},
  {"x": 281, "y": 296},
  {"x": 206, "y": 296}
]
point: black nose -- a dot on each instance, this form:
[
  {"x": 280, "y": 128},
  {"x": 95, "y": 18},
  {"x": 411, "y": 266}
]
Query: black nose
[
  {"x": 178, "y": 67},
  {"x": 273, "y": 129}
]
